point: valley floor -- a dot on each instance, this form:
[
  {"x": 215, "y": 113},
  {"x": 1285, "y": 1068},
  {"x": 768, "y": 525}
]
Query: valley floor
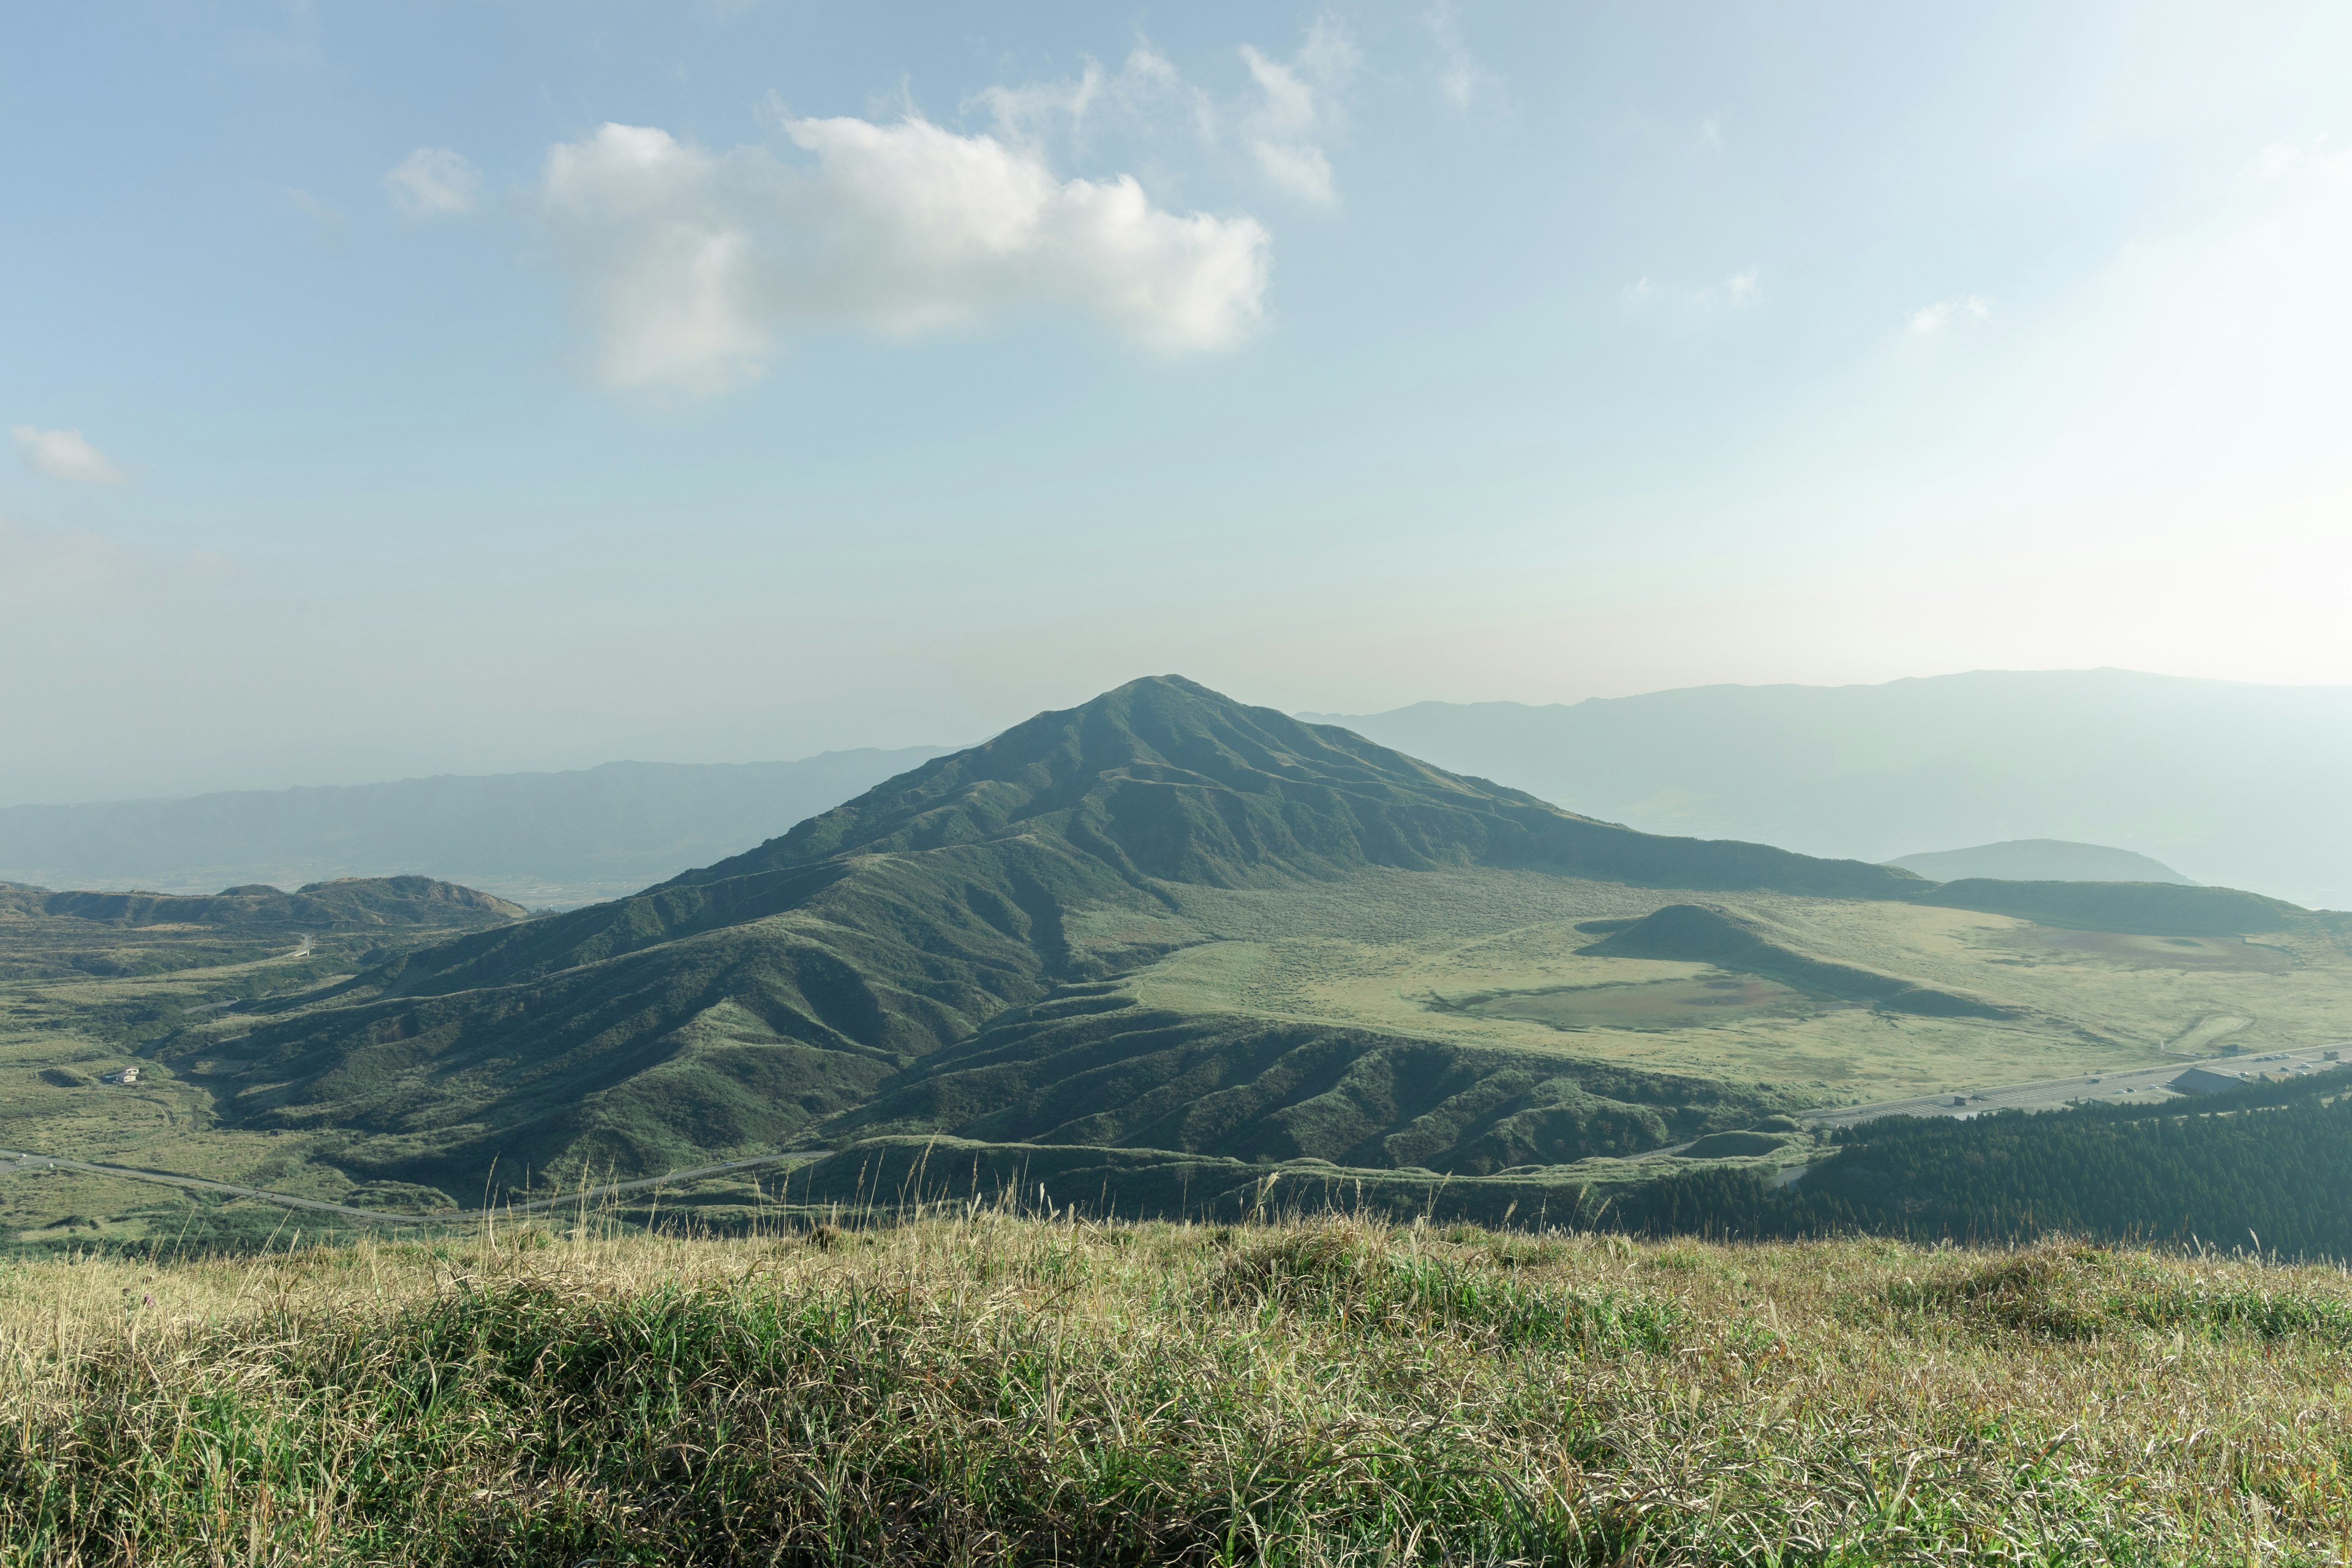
[{"x": 986, "y": 1388}]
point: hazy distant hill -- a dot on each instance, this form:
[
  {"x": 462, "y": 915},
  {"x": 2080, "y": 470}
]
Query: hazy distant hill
[
  {"x": 537, "y": 838},
  {"x": 2039, "y": 860},
  {"x": 2232, "y": 783}
]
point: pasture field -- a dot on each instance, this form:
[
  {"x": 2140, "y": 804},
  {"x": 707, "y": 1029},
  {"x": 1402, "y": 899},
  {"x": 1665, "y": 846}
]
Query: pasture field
[
  {"x": 1493, "y": 958},
  {"x": 986, "y": 1388}
]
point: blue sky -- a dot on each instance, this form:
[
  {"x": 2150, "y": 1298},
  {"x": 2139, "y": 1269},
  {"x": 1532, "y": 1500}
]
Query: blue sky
[{"x": 407, "y": 388}]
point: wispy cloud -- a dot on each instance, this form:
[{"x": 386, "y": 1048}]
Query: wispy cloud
[
  {"x": 66, "y": 455},
  {"x": 1297, "y": 110},
  {"x": 432, "y": 182},
  {"x": 688, "y": 264},
  {"x": 1736, "y": 292},
  {"x": 2292, "y": 160},
  {"x": 1285, "y": 121},
  {"x": 1461, "y": 78},
  {"x": 1708, "y": 137},
  {"x": 1931, "y": 321}
]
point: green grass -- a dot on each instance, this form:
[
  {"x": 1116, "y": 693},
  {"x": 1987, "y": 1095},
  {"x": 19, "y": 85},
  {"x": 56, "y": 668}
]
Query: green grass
[{"x": 987, "y": 1389}]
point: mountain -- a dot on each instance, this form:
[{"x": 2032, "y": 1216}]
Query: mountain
[
  {"x": 1167, "y": 920},
  {"x": 2039, "y": 860},
  {"x": 2237, "y": 784},
  {"x": 537, "y": 839}
]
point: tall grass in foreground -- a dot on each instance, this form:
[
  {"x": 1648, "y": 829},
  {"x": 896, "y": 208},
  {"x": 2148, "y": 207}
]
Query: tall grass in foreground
[{"x": 992, "y": 1389}]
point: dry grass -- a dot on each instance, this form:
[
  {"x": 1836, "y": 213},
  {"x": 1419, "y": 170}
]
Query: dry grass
[{"x": 984, "y": 1388}]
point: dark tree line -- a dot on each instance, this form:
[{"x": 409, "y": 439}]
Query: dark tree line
[{"x": 2266, "y": 1167}]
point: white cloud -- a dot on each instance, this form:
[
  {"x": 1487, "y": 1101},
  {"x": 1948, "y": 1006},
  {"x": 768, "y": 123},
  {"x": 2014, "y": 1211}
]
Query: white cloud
[
  {"x": 1929, "y": 321},
  {"x": 2290, "y": 159},
  {"x": 689, "y": 263},
  {"x": 1297, "y": 111},
  {"x": 1736, "y": 292},
  {"x": 66, "y": 455},
  {"x": 1708, "y": 137},
  {"x": 1460, "y": 78},
  {"x": 432, "y": 182}
]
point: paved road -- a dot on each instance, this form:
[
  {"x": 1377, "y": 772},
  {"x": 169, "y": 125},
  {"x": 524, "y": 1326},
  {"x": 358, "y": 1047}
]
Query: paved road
[{"x": 2140, "y": 1085}]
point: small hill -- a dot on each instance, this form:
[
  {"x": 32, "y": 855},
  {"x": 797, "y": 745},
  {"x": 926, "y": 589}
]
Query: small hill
[
  {"x": 1702, "y": 934},
  {"x": 347, "y": 903},
  {"x": 2040, "y": 860}
]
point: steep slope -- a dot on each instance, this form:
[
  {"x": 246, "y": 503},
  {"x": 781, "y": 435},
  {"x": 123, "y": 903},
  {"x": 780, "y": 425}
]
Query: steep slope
[
  {"x": 2039, "y": 860},
  {"x": 748, "y": 1004}
]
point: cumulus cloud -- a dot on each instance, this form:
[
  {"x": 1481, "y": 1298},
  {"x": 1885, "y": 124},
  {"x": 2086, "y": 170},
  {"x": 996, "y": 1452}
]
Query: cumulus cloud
[
  {"x": 66, "y": 455},
  {"x": 1931, "y": 321},
  {"x": 689, "y": 264},
  {"x": 432, "y": 182},
  {"x": 1296, "y": 110}
]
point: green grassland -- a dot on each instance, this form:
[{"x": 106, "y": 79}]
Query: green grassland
[
  {"x": 89, "y": 982},
  {"x": 984, "y": 1388},
  {"x": 1500, "y": 959}
]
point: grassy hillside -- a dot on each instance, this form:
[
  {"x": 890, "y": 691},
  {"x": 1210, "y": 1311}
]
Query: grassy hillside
[
  {"x": 93, "y": 983},
  {"x": 991, "y": 1389}
]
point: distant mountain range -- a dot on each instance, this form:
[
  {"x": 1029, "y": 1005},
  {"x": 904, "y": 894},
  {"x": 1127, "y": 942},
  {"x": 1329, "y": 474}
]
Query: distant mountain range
[
  {"x": 2040, "y": 860},
  {"x": 2235, "y": 785},
  {"x": 539, "y": 839}
]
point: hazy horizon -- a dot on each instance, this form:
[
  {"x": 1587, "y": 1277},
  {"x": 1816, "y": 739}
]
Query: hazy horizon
[{"x": 395, "y": 392}]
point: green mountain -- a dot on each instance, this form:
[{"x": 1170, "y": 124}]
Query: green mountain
[
  {"x": 2039, "y": 860},
  {"x": 1079, "y": 933}
]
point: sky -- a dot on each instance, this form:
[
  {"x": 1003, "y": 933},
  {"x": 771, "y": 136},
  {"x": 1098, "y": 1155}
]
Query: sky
[{"x": 400, "y": 389}]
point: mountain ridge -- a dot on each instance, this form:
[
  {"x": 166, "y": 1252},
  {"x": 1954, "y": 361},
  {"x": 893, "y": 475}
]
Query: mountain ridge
[{"x": 2234, "y": 784}]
